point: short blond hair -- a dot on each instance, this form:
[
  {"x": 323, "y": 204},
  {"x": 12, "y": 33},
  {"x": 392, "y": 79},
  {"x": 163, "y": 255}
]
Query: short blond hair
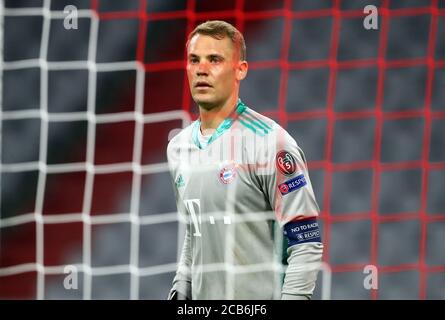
[{"x": 219, "y": 30}]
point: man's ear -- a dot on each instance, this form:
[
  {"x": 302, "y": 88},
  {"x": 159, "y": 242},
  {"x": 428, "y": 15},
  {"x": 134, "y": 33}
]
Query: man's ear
[{"x": 241, "y": 70}]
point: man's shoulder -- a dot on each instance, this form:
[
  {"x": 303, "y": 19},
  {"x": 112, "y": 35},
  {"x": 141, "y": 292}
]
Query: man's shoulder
[
  {"x": 179, "y": 137},
  {"x": 257, "y": 123},
  {"x": 263, "y": 125},
  {"x": 259, "y": 118}
]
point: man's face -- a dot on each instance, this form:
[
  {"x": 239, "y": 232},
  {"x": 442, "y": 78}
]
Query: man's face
[{"x": 213, "y": 70}]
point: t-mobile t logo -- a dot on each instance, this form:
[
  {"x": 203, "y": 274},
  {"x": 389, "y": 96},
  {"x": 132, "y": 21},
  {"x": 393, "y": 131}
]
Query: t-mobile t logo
[{"x": 194, "y": 208}]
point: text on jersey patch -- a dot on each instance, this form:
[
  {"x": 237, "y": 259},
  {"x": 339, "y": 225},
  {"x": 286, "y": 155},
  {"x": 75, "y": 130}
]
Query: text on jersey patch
[{"x": 292, "y": 184}]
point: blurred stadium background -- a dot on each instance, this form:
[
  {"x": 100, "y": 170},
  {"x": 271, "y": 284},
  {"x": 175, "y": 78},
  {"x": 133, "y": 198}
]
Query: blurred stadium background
[{"x": 86, "y": 113}]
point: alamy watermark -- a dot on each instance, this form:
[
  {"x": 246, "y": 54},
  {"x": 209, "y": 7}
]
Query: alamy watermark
[
  {"x": 371, "y": 281},
  {"x": 71, "y": 17},
  {"x": 371, "y": 21},
  {"x": 71, "y": 281}
]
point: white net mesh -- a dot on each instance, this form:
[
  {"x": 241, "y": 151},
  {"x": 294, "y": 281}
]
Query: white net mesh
[
  {"x": 89, "y": 165},
  {"x": 91, "y": 168}
]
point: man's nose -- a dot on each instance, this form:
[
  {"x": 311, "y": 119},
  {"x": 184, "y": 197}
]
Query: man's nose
[{"x": 203, "y": 69}]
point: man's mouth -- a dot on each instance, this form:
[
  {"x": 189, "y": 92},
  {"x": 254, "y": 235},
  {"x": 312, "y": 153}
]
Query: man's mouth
[{"x": 202, "y": 84}]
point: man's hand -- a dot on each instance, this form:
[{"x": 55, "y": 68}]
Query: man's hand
[{"x": 175, "y": 295}]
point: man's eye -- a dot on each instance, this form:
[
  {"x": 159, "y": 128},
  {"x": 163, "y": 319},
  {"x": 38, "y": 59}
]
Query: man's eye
[
  {"x": 194, "y": 61},
  {"x": 214, "y": 59}
]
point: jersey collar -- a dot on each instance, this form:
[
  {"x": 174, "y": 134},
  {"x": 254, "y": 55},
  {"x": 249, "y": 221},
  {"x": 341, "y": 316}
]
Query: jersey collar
[{"x": 225, "y": 125}]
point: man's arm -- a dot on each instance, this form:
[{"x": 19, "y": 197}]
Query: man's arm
[
  {"x": 182, "y": 284},
  {"x": 301, "y": 274},
  {"x": 291, "y": 196}
]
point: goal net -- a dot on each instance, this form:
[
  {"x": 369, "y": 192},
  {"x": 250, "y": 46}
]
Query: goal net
[{"x": 91, "y": 92}]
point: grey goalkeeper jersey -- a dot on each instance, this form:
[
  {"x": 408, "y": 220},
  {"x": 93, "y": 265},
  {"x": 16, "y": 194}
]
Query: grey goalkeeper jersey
[{"x": 235, "y": 195}]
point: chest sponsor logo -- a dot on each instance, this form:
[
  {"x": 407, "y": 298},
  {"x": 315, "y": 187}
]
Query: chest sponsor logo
[
  {"x": 286, "y": 162},
  {"x": 292, "y": 184},
  {"x": 227, "y": 174}
]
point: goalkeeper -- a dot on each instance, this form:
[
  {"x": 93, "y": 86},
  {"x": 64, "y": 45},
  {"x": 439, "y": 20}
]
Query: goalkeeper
[{"x": 228, "y": 167}]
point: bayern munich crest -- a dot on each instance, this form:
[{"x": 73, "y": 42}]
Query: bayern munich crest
[{"x": 227, "y": 174}]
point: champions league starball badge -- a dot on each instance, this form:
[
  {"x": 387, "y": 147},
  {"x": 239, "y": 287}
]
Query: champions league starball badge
[
  {"x": 227, "y": 174},
  {"x": 286, "y": 162}
]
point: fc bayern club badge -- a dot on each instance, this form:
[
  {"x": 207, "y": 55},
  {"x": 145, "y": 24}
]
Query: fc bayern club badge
[
  {"x": 286, "y": 162},
  {"x": 227, "y": 174}
]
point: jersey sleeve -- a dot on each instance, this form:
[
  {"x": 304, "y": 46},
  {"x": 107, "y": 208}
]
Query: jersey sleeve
[
  {"x": 182, "y": 280},
  {"x": 174, "y": 161},
  {"x": 286, "y": 181},
  {"x": 287, "y": 185}
]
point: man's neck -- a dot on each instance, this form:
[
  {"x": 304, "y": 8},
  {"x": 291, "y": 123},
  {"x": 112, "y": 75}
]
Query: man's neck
[{"x": 211, "y": 119}]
